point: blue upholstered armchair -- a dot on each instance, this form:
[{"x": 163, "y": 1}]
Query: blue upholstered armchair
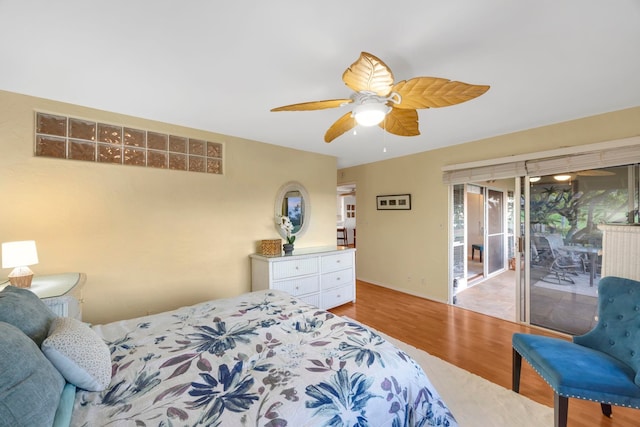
[{"x": 602, "y": 365}]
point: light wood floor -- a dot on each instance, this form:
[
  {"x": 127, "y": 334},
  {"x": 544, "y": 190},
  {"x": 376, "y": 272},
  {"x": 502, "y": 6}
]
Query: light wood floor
[{"x": 472, "y": 341}]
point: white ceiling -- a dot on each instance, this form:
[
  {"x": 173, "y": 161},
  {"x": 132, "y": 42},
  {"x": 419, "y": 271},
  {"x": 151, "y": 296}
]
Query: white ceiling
[{"x": 221, "y": 66}]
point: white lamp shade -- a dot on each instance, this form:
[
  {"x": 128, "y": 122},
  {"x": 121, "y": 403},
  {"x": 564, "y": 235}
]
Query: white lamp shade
[
  {"x": 370, "y": 114},
  {"x": 18, "y": 254}
]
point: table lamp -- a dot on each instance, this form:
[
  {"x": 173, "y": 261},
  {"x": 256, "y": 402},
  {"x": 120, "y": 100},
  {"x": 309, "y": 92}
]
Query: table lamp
[{"x": 18, "y": 255}]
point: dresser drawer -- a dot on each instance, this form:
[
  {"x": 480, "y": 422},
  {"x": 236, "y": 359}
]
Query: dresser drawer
[
  {"x": 296, "y": 287},
  {"x": 337, "y": 262},
  {"x": 295, "y": 267},
  {"x": 337, "y": 278},
  {"x": 337, "y": 296}
]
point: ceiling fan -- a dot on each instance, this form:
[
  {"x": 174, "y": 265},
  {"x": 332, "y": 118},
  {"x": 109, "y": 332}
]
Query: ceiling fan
[{"x": 378, "y": 101}]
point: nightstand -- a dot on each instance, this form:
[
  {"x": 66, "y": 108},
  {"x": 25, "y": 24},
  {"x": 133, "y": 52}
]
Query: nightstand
[{"x": 61, "y": 292}]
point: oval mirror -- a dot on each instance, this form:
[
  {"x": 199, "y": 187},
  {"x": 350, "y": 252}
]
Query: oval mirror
[{"x": 293, "y": 201}]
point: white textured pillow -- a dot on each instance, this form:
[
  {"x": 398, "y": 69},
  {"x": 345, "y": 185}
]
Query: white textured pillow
[{"x": 81, "y": 356}]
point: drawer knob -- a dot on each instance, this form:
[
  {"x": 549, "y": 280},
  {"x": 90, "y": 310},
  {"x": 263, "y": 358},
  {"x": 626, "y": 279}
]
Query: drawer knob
[
  {"x": 297, "y": 288},
  {"x": 338, "y": 278},
  {"x": 297, "y": 268},
  {"x": 338, "y": 261}
]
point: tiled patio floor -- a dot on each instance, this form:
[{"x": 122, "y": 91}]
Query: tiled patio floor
[{"x": 552, "y": 306}]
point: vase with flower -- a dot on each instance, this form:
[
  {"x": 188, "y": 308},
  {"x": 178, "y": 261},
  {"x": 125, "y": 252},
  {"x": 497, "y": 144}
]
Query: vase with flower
[{"x": 287, "y": 227}]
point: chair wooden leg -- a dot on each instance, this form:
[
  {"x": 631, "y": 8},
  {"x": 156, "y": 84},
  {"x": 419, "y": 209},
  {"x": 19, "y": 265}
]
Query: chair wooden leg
[
  {"x": 606, "y": 409},
  {"x": 560, "y": 410},
  {"x": 515, "y": 371}
]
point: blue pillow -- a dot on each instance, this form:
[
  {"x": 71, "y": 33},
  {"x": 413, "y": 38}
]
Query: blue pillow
[
  {"x": 23, "y": 309},
  {"x": 30, "y": 387}
]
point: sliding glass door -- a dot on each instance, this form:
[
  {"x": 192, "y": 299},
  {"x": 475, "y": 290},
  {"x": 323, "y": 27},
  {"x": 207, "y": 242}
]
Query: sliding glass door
[
  {"x": 546, "y": 228},
  {"x": 495, "y": 257},
  {"x": 566, "y": 245},
  {"x": 458, "y": 247},
  {"x": 479, "y": 229}
]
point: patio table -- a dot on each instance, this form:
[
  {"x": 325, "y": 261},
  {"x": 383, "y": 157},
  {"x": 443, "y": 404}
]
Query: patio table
[{"x": 592, "y": 252}]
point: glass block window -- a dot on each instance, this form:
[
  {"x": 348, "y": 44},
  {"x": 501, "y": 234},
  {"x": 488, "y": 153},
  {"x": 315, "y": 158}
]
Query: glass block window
[{"x": 73, "y": 138}]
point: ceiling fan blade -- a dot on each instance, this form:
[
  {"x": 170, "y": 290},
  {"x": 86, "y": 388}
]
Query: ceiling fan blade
[
  {"x": 434, "y": 92},
  {"x": 401, "y": 122},
  {"x": 314, "y": 105},
  {"x": 369, "y": 73},
  {"x": 342, "y": 125}
]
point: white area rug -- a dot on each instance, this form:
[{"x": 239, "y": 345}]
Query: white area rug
[{"x": 474, "y": 401}]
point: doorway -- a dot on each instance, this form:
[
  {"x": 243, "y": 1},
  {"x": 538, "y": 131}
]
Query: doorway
[
  {"x": 483, "y": 225},
  {"x": 475, "y": 232},
  {"x": 346, "y": 215}
]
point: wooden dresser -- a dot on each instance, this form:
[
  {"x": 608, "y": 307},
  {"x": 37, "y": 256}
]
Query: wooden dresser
[{"x": 324, "y": 277}]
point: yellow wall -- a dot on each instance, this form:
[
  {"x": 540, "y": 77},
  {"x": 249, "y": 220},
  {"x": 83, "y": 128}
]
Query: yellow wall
[
  {"x": 150, "y": 239},
  {"x": 408, "y": 250}
]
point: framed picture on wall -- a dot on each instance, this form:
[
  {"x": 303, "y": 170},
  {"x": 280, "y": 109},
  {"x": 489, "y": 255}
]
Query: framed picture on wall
[{"x": 393, "y": 202}]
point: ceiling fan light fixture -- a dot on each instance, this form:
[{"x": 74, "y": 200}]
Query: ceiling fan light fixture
[
  {"x": 370, "y": 114},
  {"x": 562, "y": 177}
]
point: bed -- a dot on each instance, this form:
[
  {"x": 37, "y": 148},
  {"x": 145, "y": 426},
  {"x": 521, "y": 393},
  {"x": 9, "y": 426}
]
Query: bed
[{"x": 260, "y": 359}]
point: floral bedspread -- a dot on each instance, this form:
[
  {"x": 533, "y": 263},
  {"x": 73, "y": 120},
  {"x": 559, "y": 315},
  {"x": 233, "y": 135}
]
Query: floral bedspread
[{"x": 261, "y": 359}]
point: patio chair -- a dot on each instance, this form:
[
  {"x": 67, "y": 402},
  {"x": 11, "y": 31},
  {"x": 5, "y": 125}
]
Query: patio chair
[
  {"x": 602, "y": 365},
  {"x": 562, "y": 263}
]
